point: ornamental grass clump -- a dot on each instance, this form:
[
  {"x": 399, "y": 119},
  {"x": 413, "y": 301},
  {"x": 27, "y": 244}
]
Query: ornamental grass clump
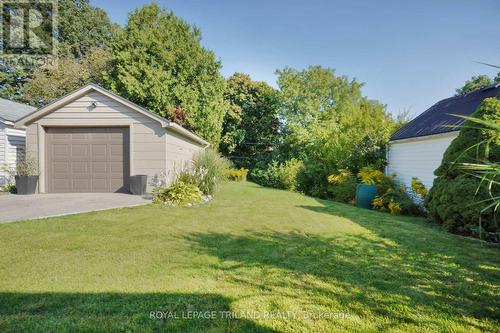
[{"x": 210, "y": 170}]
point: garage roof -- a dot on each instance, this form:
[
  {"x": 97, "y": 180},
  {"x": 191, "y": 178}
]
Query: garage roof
[
  {"x": 11, "y": 111},
  {"x": 438, "y": 119},
  {"x": 37, "y": 114}
]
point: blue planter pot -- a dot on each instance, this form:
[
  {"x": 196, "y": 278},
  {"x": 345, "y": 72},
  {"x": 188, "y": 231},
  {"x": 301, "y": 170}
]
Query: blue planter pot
[{"x": 364, "y": 195}]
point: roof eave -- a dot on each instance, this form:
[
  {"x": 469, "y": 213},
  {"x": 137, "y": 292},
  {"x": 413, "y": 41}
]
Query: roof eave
[
  {"x": 426, "y": 136},
  {"x": 181, "y": 130},
  {"x": 6, "y": 121}
]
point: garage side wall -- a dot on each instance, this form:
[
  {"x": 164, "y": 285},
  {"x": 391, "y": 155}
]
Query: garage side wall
[
  {"x": 147, "y": 137},
  {"x": 180, "y": 153},
  {"x": 418, "y": 157}
]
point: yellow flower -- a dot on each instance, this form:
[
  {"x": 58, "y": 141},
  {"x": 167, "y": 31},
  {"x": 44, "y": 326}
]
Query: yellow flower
[
  {"x": 394, "y": 208},
  {"x": 378, "y": 203},
  {"x": 369, "y": 175},
  {"x": 418, "y": 187},
  {"x": 339, "y": 178}
]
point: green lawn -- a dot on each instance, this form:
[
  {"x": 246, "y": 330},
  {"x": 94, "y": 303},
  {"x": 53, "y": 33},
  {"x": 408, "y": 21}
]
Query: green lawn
[{"x": 279, "y": 261}]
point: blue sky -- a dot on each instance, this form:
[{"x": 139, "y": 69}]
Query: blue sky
[{"x": 410, "y": 54}]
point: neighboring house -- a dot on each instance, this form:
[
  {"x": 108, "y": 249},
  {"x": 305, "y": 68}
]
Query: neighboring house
[
  {"x": 416, "y": 149},
  {"x": 92, "y": 140},
  {"x": 11, "y": 140}
]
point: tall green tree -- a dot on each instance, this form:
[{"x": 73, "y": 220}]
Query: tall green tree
[
  {"x": 251, "y": 123},
  {"x": 82, "y": 27},
  {"x": 49, "y": 83},
  {"x": 12, "y": 78},
  {"x": 161, "y": 65},
  {"x": 477, "y": 82},
  {"x": 329, "y": 124}
]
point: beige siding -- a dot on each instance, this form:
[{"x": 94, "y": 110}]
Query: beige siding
[
  {"x": 147, "y": 146},
  {"x": 180, "y": 153},
  {"x": 32, "y": 148},
  {"x": 154, "y": 150},
  {"x": 148, "y": 151},
  {"x": 106, "y": 109},
  {"x": 32, "y": 141},
  {"x": 418, "y": 157}
]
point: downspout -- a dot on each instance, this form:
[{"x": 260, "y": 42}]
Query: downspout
[{"x": 387, "y": 147}]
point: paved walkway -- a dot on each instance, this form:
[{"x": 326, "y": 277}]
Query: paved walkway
[{"x": 24, "y": 207}]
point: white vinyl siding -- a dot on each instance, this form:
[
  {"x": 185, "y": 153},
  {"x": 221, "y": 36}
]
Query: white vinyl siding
[
  {"x": 12, "y": 145},
  {"x": 3, "y": 176},
  {"x": 417, "y": 157}
]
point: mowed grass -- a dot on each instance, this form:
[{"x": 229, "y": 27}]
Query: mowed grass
[{"x": 252, "y": 260}]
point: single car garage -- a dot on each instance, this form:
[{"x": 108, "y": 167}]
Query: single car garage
[
  {"x": 87, "y": 159},
  {"x": 92, "y": 140}
]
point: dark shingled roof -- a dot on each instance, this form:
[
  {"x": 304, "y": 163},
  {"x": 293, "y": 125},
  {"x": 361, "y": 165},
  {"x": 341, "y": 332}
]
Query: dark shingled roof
[
  {"x": 12, "y": 111},
  {"x": 437, "y": 118}
]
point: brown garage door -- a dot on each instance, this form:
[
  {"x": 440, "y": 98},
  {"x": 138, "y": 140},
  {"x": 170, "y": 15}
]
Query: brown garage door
[{"x": 87, "y": 159}]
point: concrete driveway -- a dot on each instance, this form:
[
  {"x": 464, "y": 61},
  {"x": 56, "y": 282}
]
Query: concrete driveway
[{"x": 24, "y": 207}]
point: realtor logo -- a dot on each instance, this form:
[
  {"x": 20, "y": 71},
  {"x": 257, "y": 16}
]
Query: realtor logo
[{"x": 28, "y": 27}]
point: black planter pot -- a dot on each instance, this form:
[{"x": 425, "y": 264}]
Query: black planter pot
[
  {"x": 138, "y": 184},
  {"x": 26, "y": 184}
]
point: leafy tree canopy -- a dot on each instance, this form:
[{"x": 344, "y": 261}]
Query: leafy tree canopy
[
  {"x": 251, "y": 123},
  {"x": 326, "y": 116},
  {"x": 159, "y": 63},
  {"x": 12, "y": 79},
  {"x": 477, "y": 82},
  {"x": 49, "y": 83},
  {"x": 82, "y": 27},
  {"x": 329, "y": 124}
]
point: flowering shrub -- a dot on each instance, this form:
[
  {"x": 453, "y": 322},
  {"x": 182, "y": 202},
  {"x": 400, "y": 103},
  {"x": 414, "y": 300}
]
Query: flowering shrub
[
  {"x": 368, "y": 175},
  {"x": 418, "y": 187},
  {"x": 237, "y": 175},
  {"x": 179, "y": 194},
  {"x": 394, "y": 208},
  {"x": 343, "y": 186},
  {"x": 378, "y": 203},
  {"x": 341, "y": 177},
  {"x": 397, "y": 201},
  {"x": 384, "y": 183}
]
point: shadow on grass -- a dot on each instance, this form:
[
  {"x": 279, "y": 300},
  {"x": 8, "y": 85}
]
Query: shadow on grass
[
  {"x": 118, "y": 312},
  {"x": 394, "y": 272},
  {"x": 413, "y": 233}
]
